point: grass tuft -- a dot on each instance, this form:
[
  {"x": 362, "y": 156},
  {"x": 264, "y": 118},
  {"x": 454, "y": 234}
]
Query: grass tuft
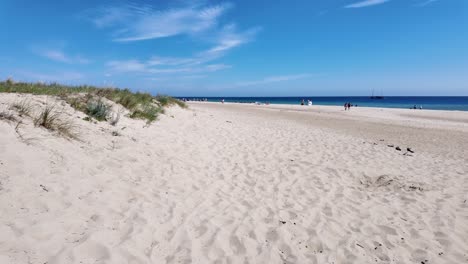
[
  {"x": 165, "y": 100},
  {"x": 50, "y": 119},
  {"x": 24, "y": 107},
  {"x": 149, "y": 112}
]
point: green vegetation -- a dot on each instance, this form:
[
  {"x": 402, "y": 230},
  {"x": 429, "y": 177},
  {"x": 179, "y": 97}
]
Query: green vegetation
[
  {"x": 50, "y": 119},
  {"x": 9, "y": 86},
  {"x": 98, "y": 110},
  {"x": 168, "y": 101},
  {"x": 148, "y": 112},
  {"x": 88, "y": 99},
  {"x": 24, "y": 108}
]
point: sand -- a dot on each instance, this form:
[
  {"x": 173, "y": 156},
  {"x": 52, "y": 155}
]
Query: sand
[{"x": 232, "y": 183}]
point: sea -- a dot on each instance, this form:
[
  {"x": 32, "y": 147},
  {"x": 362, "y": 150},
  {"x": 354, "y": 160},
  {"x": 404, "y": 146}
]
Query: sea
[{"x": 456, "y": 103}]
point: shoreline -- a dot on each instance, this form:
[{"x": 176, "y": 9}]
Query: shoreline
[
  {"x": 448, "y": 103},
  {"x": 328, "y": 105}
]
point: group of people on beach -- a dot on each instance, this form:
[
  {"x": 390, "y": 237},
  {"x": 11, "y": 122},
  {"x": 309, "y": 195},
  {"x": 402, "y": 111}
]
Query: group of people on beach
[
  {"x": 347, "y": 106},
  {"x": 194, "y": 99},
  {"x": 309, "y": 102}
]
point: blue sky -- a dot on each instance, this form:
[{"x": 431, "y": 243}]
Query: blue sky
[{"x": 241, "y": 48}]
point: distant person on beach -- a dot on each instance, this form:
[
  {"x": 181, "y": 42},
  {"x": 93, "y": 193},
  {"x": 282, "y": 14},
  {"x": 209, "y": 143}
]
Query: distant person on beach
[
  {"x": 302, "y": 102},
  {"x": 346, "y": 106},
  {"x": 420, "y": 107},
  {"x": 222, "y": 101},
  {"x": 309, "y": 102}
]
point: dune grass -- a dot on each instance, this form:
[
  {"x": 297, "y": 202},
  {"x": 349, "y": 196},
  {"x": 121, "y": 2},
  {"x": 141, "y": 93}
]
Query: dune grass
[
  {"x": 148, "y": 112},
  {"x": 51, "y": 119},
  {"x": 24, "y": 107},
  {"x": 84, "y": 98},
  {"x": 165, "y": 100}
]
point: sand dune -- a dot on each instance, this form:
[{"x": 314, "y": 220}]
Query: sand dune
[{"x": 237, "y": 184}]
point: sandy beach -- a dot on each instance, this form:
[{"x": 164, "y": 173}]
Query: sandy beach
[{"x": 237, "y": 183}]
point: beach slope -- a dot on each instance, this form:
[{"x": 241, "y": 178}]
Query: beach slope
[{"x": 231, "y": 183}]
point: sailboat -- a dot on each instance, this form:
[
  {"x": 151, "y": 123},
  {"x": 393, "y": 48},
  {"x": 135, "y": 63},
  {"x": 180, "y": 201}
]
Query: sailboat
[{"x": 377, "y": 96}]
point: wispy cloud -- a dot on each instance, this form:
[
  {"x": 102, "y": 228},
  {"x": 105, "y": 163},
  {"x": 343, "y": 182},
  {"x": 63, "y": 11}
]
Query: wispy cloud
[
  {"x": 228, "y": 38},
  {"x": 200, "y": 22},
  {"x": 60, "y": 56},
  {"x": 135, "y": 66},
  {"x": 427, "y": 2},
  {"x": 128, "y": 66},
  {"x": 134, "y": 23},
  {"x": 171, "y": 79},
  {"x": 366, "y": 3},
  {"x": 273, "y": 79},
  {"x": 59, "y": 76}
]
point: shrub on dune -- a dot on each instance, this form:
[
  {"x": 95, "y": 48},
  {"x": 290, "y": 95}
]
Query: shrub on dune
[{"x": 98, "y": 110}]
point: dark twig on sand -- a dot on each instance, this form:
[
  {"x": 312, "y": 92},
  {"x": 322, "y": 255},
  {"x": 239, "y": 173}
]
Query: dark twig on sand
[{"x": 44, "y": 188}]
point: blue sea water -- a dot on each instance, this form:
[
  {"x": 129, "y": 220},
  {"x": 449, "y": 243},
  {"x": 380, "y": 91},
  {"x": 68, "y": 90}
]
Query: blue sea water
[{"x": 427, "y": 102}]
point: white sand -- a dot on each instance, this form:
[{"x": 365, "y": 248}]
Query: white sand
[{"x": 237, "y": 184}]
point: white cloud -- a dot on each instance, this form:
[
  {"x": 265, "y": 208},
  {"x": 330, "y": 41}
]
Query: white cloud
[
  {"x": 427, "y": 2},
  {"x": 135, "y": 66},
  {"x": 273, "y": 79},
  {"x": 197, "y": 69},
  {"x": 194, "y": 76},
  {"x": 60, "y": 56},
  {"x": 127, "y": 66},
  {"x": 62, "y": 76},
  {"x": 171, "y": 61},
  {"x": 366, "y": 3},
  {"x": 228, "y": 38},
  {"x": 133, "y": 23},
  {"x": 201, "y": 22}
]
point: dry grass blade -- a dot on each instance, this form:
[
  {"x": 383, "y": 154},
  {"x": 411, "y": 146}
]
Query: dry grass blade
[
  {"x": 23, "y": 107},
  {"x": 50, "y": 119},
  {"x": 47, "y": 118}
]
